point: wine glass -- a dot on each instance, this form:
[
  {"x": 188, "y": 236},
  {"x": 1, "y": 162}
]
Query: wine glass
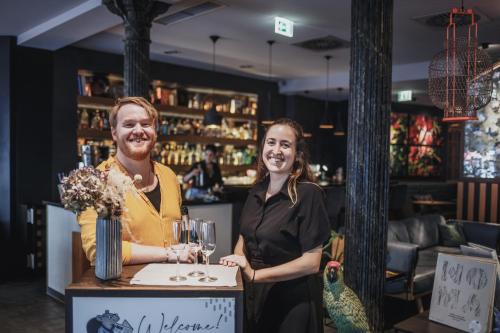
[
  {"x": 195, "y": 244},
  {"x": 177, "y": 246},
  {"x": 207, "y": 246}
]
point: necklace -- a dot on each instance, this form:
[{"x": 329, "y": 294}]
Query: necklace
[{"x": 138, "y": 177}]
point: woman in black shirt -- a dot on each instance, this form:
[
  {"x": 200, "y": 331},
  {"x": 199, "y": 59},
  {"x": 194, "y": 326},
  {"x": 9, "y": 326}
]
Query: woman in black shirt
[{"x": 283, "y": 226}]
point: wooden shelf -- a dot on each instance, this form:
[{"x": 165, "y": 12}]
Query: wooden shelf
[
  {"x": 95, "y": 134},
  {"x": 223, "y": 168},
  {"x": 104, "y": 102},
  {"x": 180, "y": 111},
  {"x": 206, "y": 140}
]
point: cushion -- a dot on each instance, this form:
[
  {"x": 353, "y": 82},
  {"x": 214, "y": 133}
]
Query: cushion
[
  {"x": 424, "y": 272},
  {"x": 397, "y": 232},
  {"x": 426, "y": 267},
  {"x": 451, "y": 235},
  {"x": 487, "y": 234},
  {"x": 423, "y": 230}
]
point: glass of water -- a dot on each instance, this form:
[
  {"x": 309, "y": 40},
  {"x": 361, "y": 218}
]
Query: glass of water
[
  {"x": 195, "y": 244},
  {"x": 177, "y": 246},
  {"x": 207, "y": 237}
]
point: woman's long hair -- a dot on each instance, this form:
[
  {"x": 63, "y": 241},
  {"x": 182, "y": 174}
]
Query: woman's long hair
[{"x": 300, "y": 169}]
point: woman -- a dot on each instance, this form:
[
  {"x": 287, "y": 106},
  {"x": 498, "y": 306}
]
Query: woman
[{"x": 283, "y": 226}]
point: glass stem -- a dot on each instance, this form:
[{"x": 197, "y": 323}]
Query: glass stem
[
  {"x": 196, "y": 259},
  {"x": 208, "y": 263},
  {"x": 177, "y": 266}
]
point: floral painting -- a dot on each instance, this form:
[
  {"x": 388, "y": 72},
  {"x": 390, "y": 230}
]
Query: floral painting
[
  {"x": 399, "y": 128},
  {"x": 424, "y": 161},
  {"x": 425, "y": 130},
  {"x": 399, "y": 160},
  {"x": 415, "y": 141},
  {"x": 482, "y": 138}
]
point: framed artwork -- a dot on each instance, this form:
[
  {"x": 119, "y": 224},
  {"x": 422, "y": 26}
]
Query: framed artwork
[
  {"x": 482, "y": 138},
  {"x": 416, "y": 142}
]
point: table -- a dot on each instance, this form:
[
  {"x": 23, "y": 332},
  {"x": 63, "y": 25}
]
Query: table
[
  {"x": 435, "y": 206},
  {"x": 421, "y": 324},
  {"x": 434, "y": 202},
  {"x": 92, "y": 304}
]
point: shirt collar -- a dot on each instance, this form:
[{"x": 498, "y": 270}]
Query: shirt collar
[{"x": 260, "y": 189}]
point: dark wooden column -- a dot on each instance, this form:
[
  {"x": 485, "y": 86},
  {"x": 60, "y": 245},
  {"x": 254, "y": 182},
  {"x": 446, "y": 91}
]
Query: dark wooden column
[
  {"x": 368, "y": 153},
  {"x": 137, "y": 16}
]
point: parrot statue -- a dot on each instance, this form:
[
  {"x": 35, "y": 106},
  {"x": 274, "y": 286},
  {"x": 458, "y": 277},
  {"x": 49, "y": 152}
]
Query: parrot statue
[{"x": 343, "y": 305}]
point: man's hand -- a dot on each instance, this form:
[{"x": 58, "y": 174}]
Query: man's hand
[{"x": 185, "y": 254}]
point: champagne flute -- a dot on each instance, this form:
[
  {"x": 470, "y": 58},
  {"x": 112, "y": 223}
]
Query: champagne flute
[
  {"x": 194, "y": 244},
  {"x": 177, "y": 228},
  {"x": 207, "y": 246}
]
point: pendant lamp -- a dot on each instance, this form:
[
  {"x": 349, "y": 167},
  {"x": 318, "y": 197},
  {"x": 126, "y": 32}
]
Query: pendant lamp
[
  {"x": 266, "y": 118},
  {"x": 339, "y": 125},
  {"x": 326, "y": 120},
  {"x": 211, "y": 118},
  {"x": 460, "y": 77}
]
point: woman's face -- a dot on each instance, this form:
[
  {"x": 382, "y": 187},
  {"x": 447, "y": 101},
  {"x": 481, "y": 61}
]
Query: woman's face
[
  {"x": 279, "y": 149},
  {"x": 135, "y": 133}
]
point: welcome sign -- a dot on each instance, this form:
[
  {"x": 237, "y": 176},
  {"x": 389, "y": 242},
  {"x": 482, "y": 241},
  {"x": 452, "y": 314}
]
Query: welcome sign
[{"x": 158, "y": 315}]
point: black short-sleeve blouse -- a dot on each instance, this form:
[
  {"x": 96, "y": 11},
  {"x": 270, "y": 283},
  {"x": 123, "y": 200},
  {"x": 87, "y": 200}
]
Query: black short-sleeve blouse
[{"x": 277, "y": 231}]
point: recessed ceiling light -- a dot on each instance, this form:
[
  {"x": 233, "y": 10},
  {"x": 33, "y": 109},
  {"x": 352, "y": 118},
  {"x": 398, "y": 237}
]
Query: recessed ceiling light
[{"x": 171, "y": 52}]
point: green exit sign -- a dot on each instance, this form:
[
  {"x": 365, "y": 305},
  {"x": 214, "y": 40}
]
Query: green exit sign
[
  {"x": 404, "y": 96},
  {"x": 283, "y": 26}
]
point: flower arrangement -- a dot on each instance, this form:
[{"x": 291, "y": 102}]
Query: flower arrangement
[{"x": 91, "y": 188}]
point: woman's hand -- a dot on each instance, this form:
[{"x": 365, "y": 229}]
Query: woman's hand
[{"x": 241, "y": 261}]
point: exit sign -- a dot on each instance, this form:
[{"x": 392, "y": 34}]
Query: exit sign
[
  {"x": 283, "y": 26},
  {"x": 404, "y": 95}
]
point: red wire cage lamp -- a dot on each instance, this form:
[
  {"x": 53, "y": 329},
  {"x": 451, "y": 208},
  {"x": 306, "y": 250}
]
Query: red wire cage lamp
[{"x": 460, "y": 76}]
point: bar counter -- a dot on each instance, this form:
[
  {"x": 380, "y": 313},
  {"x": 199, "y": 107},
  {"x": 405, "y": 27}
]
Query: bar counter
[{"x": 119, "y": 306}]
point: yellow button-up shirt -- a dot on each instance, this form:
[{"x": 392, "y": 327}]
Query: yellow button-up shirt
[{"x": 141, "y": 222}]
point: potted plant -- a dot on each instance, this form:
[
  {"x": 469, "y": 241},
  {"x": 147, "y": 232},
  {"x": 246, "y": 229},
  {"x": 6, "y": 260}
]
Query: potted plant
[{"x": 103, "y": 191}]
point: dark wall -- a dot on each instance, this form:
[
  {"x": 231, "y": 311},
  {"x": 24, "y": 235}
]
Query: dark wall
[
  {"x": 325, "y": 148},
  {"x": 7, "y": 45},
  {"x": 33, "y": 127}
]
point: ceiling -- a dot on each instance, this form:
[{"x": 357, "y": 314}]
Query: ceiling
[{"x": 244, "y": 27}]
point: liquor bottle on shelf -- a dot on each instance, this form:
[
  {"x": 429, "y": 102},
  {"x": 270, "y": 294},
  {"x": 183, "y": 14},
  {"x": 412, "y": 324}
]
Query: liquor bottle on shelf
[
  {"x": 105, "y": 121},
  {"x": 84, "y": 119},
  {"x": 96, "y": 123}
]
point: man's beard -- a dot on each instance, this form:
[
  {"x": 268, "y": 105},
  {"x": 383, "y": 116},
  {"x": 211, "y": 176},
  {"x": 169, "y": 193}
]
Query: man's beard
[{"x": 135, "y": 154}]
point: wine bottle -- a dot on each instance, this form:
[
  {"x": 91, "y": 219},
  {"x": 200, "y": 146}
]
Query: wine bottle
[{"x": 185, "y": 225}]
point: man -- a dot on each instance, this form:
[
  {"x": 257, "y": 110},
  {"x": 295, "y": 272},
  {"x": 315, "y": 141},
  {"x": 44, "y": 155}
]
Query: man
[{"x": 148, "y": 214}]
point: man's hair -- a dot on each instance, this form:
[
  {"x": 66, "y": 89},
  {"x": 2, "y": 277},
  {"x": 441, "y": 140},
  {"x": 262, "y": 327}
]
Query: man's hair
[
  {"x": 140, "y": 101},
  {"x": 212, "y": 148}
]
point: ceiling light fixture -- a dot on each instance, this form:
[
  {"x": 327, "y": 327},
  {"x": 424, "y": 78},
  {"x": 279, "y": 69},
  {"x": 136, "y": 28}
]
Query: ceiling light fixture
[
  {"x": 326, "y": 120},
  {"x": 460, "y": 77},
  {"x": 339, "y": 124},
  {"x": 211, "y": 118}
]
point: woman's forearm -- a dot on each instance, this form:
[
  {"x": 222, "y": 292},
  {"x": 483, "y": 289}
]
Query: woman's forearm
[
  {"x": 238, "y": 248},
  {"x": 307, "y": 264}
]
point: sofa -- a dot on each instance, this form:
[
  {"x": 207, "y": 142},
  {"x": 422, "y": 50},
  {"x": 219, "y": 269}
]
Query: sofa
[{"x": 413, "y": 245}]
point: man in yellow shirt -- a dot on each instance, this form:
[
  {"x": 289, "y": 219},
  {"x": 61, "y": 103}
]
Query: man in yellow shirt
[{"x": 148, "y": 214}]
